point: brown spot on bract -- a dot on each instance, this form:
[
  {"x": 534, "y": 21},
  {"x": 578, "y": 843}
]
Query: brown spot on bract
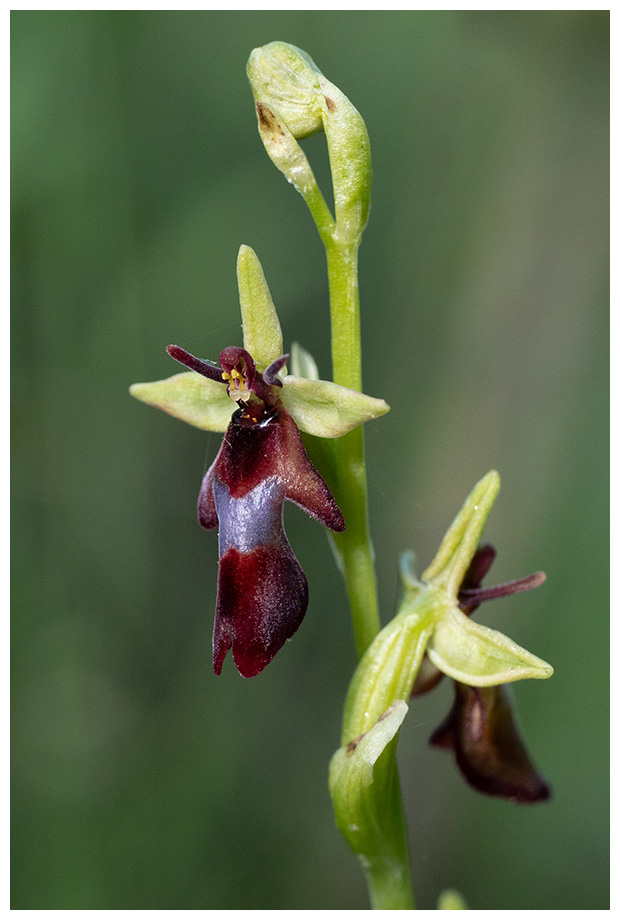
[
  {"x": 331, "y": 105},
  {"x": 387, "y": 712},
  {"x": 265, "y": 115},
  {"x": 351, "y": 746}
]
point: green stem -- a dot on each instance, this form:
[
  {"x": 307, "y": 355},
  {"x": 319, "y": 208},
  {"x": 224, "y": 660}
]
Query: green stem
[
  {"x": 345, "y": 313},
  {"x": 390, "y": 888},
  {"x": 354, "y": 544},
  {"x": 321, "y": 214},
  {"x": 389, "y": 881}
]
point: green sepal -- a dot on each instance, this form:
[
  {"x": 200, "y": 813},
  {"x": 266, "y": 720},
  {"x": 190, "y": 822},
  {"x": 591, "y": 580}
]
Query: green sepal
[
  {"x": 189, "y": 397},
  {"x": 326, "y": 409},
  {"x": 479, "y": 656},
  {"x": 262, "y": 334},
  {"x": 457, "y": 548}
]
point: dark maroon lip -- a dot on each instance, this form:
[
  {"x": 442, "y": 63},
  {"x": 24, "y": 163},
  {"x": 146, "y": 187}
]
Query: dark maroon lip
[
  {"x": 481, "y": 729},
  {"x": 482, "y": 732}
]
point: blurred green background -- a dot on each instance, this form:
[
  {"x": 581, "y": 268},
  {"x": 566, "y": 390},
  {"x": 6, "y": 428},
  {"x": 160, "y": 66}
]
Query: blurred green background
[{"x": 140, "y": 780}]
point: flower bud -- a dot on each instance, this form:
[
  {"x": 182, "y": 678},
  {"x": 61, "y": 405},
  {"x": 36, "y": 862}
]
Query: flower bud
[
  {"x": 286, "y": 79},
  {"x": 294, "y": 100}
]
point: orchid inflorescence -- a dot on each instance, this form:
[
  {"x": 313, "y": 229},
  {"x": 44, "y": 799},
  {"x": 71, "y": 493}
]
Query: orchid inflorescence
[{"x": 262, "y": 592}]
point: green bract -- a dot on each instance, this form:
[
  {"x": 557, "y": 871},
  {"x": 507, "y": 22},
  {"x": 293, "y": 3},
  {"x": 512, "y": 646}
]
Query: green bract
[
  {"x": 319, "y": 407},
  {"x": 362, "y": 781}
]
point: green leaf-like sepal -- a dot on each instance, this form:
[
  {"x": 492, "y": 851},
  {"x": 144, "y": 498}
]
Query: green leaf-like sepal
[
  {"x": 461, "y": 541},
  {"x": 479, "y": 656},
  {"x": 388, "y": 668},
  {"x": 327, "y": 410},
  {"x": 262, "y": 335},
  {"x": 189, "y": 397}
]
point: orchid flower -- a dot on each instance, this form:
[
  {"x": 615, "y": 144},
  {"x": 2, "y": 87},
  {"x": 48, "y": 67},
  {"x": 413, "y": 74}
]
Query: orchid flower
[
  {"x": 481, "y": 727},
  {"x": 262, "y": 593}
]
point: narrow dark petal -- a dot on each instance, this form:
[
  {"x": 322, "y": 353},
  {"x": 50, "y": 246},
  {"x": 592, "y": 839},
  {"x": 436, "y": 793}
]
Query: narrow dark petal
[
  {"x": 476, "y": 596},
  {"x": 482, "y": 731},
  {"x": 270, "y": 374},
  {"x": 212, "y": 371},
  {"x": 479, "y": 566}
]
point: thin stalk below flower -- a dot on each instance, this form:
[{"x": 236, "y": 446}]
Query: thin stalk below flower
[
  {"x": 354, "y": 545},
  {"x": 389, "y": 880}
]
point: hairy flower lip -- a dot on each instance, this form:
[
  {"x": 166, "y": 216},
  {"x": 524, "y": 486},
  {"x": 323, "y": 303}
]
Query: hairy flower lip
[
  {"x": 262, "y": 594},
  {"x": 482, "y": 732}
]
